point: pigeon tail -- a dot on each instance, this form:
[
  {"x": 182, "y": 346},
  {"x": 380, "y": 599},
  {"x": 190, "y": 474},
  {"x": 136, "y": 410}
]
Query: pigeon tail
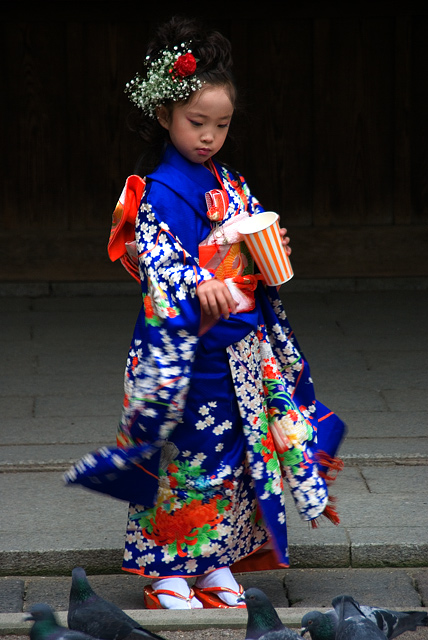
[{"x": 394, "y": 623}]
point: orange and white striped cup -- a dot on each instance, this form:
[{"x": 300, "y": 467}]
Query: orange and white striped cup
[{"x": 262, "y": 237}]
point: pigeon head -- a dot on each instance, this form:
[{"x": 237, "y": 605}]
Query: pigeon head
[
  {"x": 319, "y": 625},
  {"x": 41, "y": 613},
  {"x": 262, "y": 616},
  {"x": 45, "y": 623},
  {"x": 254, "y": 597},
  {"x": 81, "y": 590}
]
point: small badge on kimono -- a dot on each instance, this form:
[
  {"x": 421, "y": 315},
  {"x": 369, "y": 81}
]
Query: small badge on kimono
[{"x": 217, "y": 202}]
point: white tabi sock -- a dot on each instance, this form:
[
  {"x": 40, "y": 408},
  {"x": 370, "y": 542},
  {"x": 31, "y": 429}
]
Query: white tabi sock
[
  {"x": 221, "y": 578},
  {"x": 179, "y": 585}
]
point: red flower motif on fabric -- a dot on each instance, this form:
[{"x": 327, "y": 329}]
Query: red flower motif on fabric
[
  {"x": 148, "y": 307},
  {"x": 268, "y": 443},
  {"x": 237, "y": 186},
  {"x": 182, "y": 525},
  {"x": 185, "y": 65},
  {"x": 293, "y": 415},
  {"x": 270, "y": 372}
]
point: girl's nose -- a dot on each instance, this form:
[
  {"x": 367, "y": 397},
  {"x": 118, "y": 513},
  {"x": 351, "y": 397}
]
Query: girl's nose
[{"x": 207, "y": 136}]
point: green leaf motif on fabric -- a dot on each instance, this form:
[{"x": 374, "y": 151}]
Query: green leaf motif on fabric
[
  {"x": 272, "y": 464},
  {"x": 263, "y": 420},
  {"x": 204, "y": 536},
  {"x": 292, "y": 458}
]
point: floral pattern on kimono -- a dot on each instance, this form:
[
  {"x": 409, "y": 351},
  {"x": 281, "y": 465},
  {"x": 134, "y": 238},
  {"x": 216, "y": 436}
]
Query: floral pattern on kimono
[{"x": 213, "y": 425}]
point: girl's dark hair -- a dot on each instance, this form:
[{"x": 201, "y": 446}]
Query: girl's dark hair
[
  {"x": 214, "y": 66},
  {"x": 211, "y": 49}
]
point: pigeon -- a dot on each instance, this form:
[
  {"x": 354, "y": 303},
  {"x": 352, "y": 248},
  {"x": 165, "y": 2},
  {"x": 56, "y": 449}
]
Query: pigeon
[
  {"x": 46, "y": 626},
  {"x": 393, "y": 623},
  {"x": 263, "y": 620},
  {"x": 91, "y": 614},
  {"x": 322, "y": 626},
  {"x": 352, "y": 623}
]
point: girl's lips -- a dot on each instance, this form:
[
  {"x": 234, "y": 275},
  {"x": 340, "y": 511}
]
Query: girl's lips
[{"x": 204, "y": 151}]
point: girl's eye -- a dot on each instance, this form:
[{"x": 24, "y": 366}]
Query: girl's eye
[
  {"x": 223, "y": 126},
  {"x": 196, "y": 124}
]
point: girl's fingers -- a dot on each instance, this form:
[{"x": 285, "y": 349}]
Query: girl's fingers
[
  {"x": 215, "y": 299},
  {"x": 285, "y": 240}
]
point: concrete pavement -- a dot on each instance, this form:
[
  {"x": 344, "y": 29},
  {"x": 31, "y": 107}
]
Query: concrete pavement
[
  {"x": 63, "y": 352},
  {"x": 293, "y": 592}
]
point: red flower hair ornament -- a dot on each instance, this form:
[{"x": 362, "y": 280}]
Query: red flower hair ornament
[
  {"x": 185, "y": 65},
  {"x": 171, "y": 76}
]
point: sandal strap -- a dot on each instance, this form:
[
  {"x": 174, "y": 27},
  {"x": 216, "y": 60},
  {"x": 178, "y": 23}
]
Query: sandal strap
[
  {"x": 168, "y": 592},
  {"x": 175, "y": 594},
  {"x": 221, "y": 590}
]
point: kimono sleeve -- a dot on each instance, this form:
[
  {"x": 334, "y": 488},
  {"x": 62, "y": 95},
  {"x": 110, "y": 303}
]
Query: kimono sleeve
[
  {"x": 158, "y": 370},
  {"x": 163, "y": 348},
  {"x": 307, "y": 435}
]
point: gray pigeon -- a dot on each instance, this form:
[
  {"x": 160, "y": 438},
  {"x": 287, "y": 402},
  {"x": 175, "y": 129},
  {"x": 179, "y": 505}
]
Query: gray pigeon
[
  {"x": 263, "y": 620},
  {"x": 352, "y": 623},
  {"x": 46, "y": 626},
  {"x": 322, "y": 626},
  {"x": 91, "y": 614}
]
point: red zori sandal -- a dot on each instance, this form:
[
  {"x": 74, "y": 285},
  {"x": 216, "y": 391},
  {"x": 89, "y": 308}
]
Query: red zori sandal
[
  {"x": 210, "y": 600},
  {"x": 151, "y": 599}
]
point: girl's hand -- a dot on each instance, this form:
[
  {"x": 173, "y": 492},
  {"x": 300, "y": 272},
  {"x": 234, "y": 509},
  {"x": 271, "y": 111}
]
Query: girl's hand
[
  {"x": 285, "y": 240},
  {"x": 215, "y": 299}
]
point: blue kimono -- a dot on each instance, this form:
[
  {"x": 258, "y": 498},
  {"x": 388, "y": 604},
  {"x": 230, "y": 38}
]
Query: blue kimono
[{"x": 217, "y": 420}]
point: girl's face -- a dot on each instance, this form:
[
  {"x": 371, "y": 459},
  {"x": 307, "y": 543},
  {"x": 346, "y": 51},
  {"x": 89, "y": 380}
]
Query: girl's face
[{"x": 198, "y": 128}]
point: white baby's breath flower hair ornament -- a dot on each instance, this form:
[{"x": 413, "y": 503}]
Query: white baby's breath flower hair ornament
[{"x": 170, "y": 77}]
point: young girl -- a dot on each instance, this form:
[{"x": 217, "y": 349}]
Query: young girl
[{"x": 219, "y": 405}]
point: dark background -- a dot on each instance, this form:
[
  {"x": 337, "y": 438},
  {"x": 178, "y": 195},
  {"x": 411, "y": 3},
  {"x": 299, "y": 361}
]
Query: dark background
[{"x": 333, "y": 135}]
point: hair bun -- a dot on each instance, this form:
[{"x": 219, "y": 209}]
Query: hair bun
[{"x": 212, "y": 50}]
